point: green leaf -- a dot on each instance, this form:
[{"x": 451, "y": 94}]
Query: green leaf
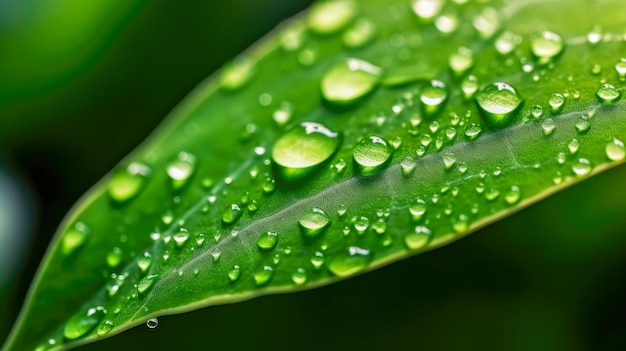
[{"x": 359, "y": 134}]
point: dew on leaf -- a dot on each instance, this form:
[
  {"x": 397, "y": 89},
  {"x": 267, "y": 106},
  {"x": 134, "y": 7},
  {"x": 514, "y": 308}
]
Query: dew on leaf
[
  {"x": 498, "y": 102},
  {"x": 317, "y": 260},
  {"x": 283, "y": 114},
  {"x": 349, "y": 80},
  {"x": 83, "y": 322},
  {"x": 418, "y": 239},
  {"x": 556, "y": 102},
  {"x": 144, "y": 262},
  {"x": 231, "y": 214},
  {"x": 114, "y": 257},
  {"x": 361, "y": 224},
  {"x": 237, "y": 73},
  {"x": 572, "y": 146},
  {"x": 615, "y": 150},
  {"x": 473, "y": 131},
  {"x": 104, "y": 328},
  {"x": 548, "y": 126},
  {"x": 127, "y": 183},
  {"x": 407, "y": 166},
  {"x": 75, "y": 237},
  {"x": 433, "y": 96},
  {"x": 361, "y": 33},
  {"x": 449, "y": 160},
  {"x": 313, "y": 222},
  {"x": 329, "y": 17},
  {"x": 427, "y": 10},
  {"x": 460, "y": 224},
  {"x": 264, "y": 275},
  {"x": 267, "y": 241},
  {"x": 180, "y": 238},
  {"x": 461, "y": 61},
  {"x": 372, "y": 154},
  {"x": 146, "y": 283},
  {"x": 513, "y": 195},
  {"x": 507, "y": 42},
  {"x": 581, "y": 167},
  {"x": 492, "y": 194},
  {"x": 234, "y": 273},
  {"x": 546, "y": 46},
  {"x": 469, "y": 86},
  {"x": 620, "y": 68},
  {"x": 181, "y": 169},
  {"x": 353, "y": 260},
  {"x": 608, "y": 93},
  {"x": 299, "y": 277}
]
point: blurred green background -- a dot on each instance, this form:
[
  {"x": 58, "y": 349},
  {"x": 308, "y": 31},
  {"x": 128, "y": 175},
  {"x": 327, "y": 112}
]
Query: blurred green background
[{"x": 84, "y": 82}]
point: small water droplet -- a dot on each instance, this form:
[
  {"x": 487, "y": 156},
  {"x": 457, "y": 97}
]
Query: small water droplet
[
  {"x": 234, "y": 274},
  {"x": 231, "y": 214},
  {"x": 127, "y": 183},
  {"x": 361, "y": 224},
  {"x": 427, "y": 10},
  {"x": 350, "y": 80},
  {"x": 407, "y": 166},
  {"x": 460, "y": 224},
  {"x": 469, "y": 86},
  {"x": 83, "y": 322},
  {"x": 449, "y": 160},
  {"x": 546, "y": 46},
  {"x": 180, "y": 238},
  {"x": 582, "y": 167},
  {"x": 418, "y": 239},
  {"x": 492, "y": 194},
  {"x": 372, "y": 154},
  {"x": 313, "y": 222},
  {"x": 461, "y": 61},
  {"x": 329, "y": 17},
  {"x": 146, "y": 283},
  {"x": 572, "y": 146},
  {"x": 536, "y": 111},
  {"x": 608, "y": 93},
  {"x": 507, "y": 42},
  {"x": 350, "y": 262},
  {"x": 317, "y": 260},
  {"x": 498, "y": 102},
  {"x": 267, "y": 241},
  {"x": 299, "y": 277},
  {"x": 104, "y": 328},
  {"x": 114, "y": 257},
  {"x": 473, "y": 131},
  {"x": 360, "y": 34},
  {"x": 237, "y": 73},
  {"x": 433, "y": 96},
  {"x": 582, "y": 125},
  {"x": 512, "y": 196},
  {"x": 615, "y": 150},
  {"x": 144, "y": 262},
  {"x": 75, "y": 237},
  {"x": 548, "y": 126},
  {"x": 556, "y": 102},
  {"x": 152, "y": 323},
  {"x": 264, "y": 275},
  {"x": 620, "y": 68},
  {"x": 181, "y": 169},
  {"x": 303, "y": 149}
]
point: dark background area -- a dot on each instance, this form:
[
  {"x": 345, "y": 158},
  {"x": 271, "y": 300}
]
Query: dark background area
[{"x": 550, "y": 278}]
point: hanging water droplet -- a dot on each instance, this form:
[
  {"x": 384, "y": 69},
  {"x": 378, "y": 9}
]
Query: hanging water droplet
[
  {"x": 615, "y": 150},
  {"x": 498, "y": 102},
  {"x": 582, "y": 167},
  {"x": 114, "y": 257},
  {"x": 313, "y": 222},
  {"x": 328, "y": 17},
  {"x": 546, "y": 46},
  {"x": 418, "y": 239},
  {"x": 267, "y": 241},
  {"x": 427, "y": 10},
  {"x": 264, "y": 275},
  {"x": 127, "y": 183},
  {"x": 231, "y": 214},
  {"x": 372, "y": 154},
  {"x": 360, "y": 34},
  {"x": 461, "y": 61},
  {"x": 513, "y": 195},
  {"x": 299, "y": 277},
  {"x": 348, "y": 81},
  {"x": 407, "y": 166},
  {"x": 181, "y": 169},
  {"x": 608, "y": 94},
  {"x": 303, "y": 149},
  {"x": 433, "y": 96},
  {"x": 104, "y": 328},
  {"x": 350, "y": 262},
  {"x": 83, "y": 322},
  {"x": 74, "y": 237},
  {"x": 234, "y": 273},
  {"x": 556, "y": 102},
  {"x": 237, "y": 73},
  {"x": 152, "y": 323}
]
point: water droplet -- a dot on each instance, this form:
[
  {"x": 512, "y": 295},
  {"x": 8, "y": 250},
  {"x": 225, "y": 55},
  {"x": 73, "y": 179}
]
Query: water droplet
[
  {"x": 497, "y": 102},
  {"x": 350, "y": 80},
  {"x": 168, "y": 217},
  {"x": 572, "y": 146},
  {"x": 303, "y": 149},
  {"x": 350, "y": 262},
  {"x": 361, "y": 224},
  {"x": 372, "y": 154},
  {"x": 582, "y": 125},
  {"x": 469, "y": 86},
  {"x": 361, "y": 33},
  {"x": 267, "y": 241},
  {"x": 293, "y": 36},
  {"x": 427, "y": 10},
  {"x": 114, "y": 257},
  {"x": 180, "y": 238},
  {"x": 556, "y": 102},
  {"x": 152, "y": 323},
  {"x": 407, "y": 166},
  {"x": 513, "y": 195},
  {"x": 448, "y": 22},
  {"x": 231, "y": 214},
  {"x": 460, "y": 224},
  {"x": 74, "y": 237},
  {"x": 146, "y": 283},
  {"x": 283, "y": 114},
  {"x": 328, "y": 17},
  {"x": 433, "y": 96},
  {"x": 181, "y": 169},
  {"x": 418, "y": 239},
  {"x": 536, "y": 111},
  {"x": 299, "y": 277},
  {"x": 237, "y": 73},
  {"x": 127, "y": 183},
  {"x": 144, "y": 262},
  {"x": 317, "y": 260},
  {"x": 200, "y": 239},
  {"x": 608, "y": 94},
  {"x": 507, "y": 42},
  {"x": 461, "y": 61},
  {"x": 548, "y": 126},
  {"x": 615, "y": 150},
  {"x": 473, "y": 131},
  {"x": 379, "y": 227},
  {"x": 546, "y": 46},
  {"x": 104, "y": 328},
  {"x": 492, "y": 194},
  {"x": 449, "y": 160},
  {"x": 313, "y": 222},
  {"x": 233, "y": 274},
  {"x": 83, "y": 322},
  {"x": 582, "y": 167},
  {"x": 264, "y": 275},
  {"x": 620, "y": 68},
  {"x": 487, "y": 22},
  {"x": 417, "y": 209}
]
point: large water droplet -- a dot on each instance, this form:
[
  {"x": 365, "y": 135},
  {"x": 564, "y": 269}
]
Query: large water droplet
[
  {"x": 237, "y": 73},
  {"x": 615, "y": 150},
  {"x": 303, "y": 149},
  {"x": 328, "y": 17},
  {"x": 313, "y": 222},
  {"x": 350, "y": 262},
  {"x": 267, "y": 241},
  {"x": 418, "y": 239},
  {"x": 372, "y": 154},
  {"x": 607, "y": 93},
  {"x": 349, "y": 81},
  {"x": 181, "y": 169},
  {"x": 264, "y": 275},
  {"x": 83, "y": 322},
  {"x": 546, "y": 46},
  {"x": 498, "y": 102},
  {"x": 127, "y": 183},
  {"x": 581, "y": 167},
  {"x": 231, "y": 214},
  {"x": 433, "y": 96},
  {"x": 74, "y": 237}
]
